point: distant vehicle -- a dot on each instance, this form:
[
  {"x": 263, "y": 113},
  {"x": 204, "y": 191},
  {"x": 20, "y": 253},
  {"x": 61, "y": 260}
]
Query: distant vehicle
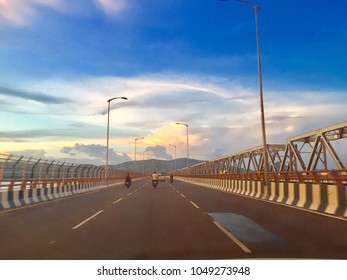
[{"x": 161, "y": 177}]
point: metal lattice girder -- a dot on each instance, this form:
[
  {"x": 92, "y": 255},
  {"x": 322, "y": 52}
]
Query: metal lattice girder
[
  {"x": 248, "y": 161},
  {"x": 318, "y": 142},
  {"x": 304, "y": 152}
]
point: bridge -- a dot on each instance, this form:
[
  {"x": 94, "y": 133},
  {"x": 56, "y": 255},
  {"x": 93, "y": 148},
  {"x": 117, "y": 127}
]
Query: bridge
[{"x": 220, "y": 209}]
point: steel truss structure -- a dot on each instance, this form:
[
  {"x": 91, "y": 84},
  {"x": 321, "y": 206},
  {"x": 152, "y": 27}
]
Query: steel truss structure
[
  {"x": 311, "y": 154},
  {"x": 318, "y": 146}
]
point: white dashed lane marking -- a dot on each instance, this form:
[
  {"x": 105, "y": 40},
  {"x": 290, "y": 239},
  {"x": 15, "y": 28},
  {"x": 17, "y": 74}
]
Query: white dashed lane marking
[
  {"x": 117, "y": 201},
  {"x": 196, "y": 206},
  {"x": 87, "y": 220}
]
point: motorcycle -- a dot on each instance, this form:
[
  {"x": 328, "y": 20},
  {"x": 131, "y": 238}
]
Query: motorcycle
[
  {"x": 171, "y": 179},
  {"x": 155, "y": 183},
  {"x": 128, "y": 183}
]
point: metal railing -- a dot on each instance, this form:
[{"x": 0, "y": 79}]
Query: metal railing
[
  {"x": 19, "y": 172},
  {"x": 19, "y": 167},
  {"x": 335, "y": 177}
]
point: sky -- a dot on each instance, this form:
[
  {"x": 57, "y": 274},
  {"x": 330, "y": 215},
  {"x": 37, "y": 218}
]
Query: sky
[{"x": 176, "y": 61}]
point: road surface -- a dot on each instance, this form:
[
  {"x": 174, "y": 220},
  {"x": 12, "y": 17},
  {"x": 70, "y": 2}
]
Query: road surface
[{"x": 176, "y": 221}]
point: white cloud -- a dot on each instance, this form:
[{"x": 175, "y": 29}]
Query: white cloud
[
  {"x": 15, "y": 11},
  {"x": 159, "y": 152},
  {"x": 95, "y": 153},
  {"x": 19, "y": 12},
  {"x": 111, "y": 7},
  {"x": 24, "y": 12},
  {"x": 32, "y": 153},
  {"x": 223, "y": 116}
]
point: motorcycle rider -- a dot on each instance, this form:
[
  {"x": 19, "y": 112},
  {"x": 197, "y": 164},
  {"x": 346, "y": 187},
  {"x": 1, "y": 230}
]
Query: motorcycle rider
[
  {"x": 155, "y": 177},
  {"x": 171, "y": 177},
  {"x": 128, "y": 180}
]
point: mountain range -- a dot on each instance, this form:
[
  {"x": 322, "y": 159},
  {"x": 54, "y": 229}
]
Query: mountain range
[{"x": 150, "y": 165}]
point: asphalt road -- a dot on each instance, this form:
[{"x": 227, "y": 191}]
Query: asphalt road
[{"x": 173, "y": 222}]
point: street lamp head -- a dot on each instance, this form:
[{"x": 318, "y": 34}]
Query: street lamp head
[
  {"x": 253, "y": 6},
  {"x": 182, "y": 123},
  {"x": 117, "y": 98}
]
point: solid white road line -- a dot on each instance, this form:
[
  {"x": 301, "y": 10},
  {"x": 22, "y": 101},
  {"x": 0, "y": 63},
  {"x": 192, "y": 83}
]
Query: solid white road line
[
  {"x": 117, "y": 200},
  {"x": 86, "y": 220},
  {"x": 233, "y": 238}
]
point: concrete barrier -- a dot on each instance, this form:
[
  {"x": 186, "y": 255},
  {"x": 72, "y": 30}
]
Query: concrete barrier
[
  {"x": 53, "y": 190},
  {"x": 322, "y": 198}
]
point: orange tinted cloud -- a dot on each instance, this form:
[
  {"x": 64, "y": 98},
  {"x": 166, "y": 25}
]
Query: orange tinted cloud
[{"x": 19, "y": 12}]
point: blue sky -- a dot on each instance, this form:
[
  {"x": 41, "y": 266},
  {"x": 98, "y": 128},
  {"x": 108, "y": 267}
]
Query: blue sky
[{"x": 176, "y": 61}]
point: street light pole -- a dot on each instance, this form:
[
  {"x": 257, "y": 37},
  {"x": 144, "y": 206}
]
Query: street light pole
[
  {"x": 260, "y": 82},
  {"x": 135, "y": 151},
  {"x": 143, "y": 160},
  {"x": 175, "y": 155},
  {"x": 187, "y": 145},
  {"x": 108, "y": 133}
]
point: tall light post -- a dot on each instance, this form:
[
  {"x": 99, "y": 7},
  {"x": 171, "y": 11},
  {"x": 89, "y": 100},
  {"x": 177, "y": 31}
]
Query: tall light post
[
  {"x": 186, "y": 125},
  {"x": 143, "y": 159},
  {"x": 175, "y": 155},
  {"x": 108, "y": 133},
  {"x": 265, "y": 155},
  {"x": 135, "y": 150}
]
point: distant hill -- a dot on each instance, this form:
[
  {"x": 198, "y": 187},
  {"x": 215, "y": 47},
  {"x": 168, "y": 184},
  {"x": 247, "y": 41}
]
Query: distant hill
[{"x": 150, "y": 165}]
